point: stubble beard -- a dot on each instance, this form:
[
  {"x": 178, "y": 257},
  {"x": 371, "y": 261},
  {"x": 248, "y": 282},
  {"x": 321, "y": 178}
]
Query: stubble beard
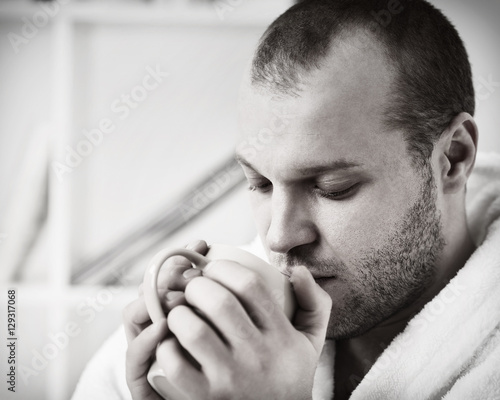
[{"x": 388, "y": 279}]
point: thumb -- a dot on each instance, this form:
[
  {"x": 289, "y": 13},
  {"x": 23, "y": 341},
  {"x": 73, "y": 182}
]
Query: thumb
[{"x": 313, "y": 307}]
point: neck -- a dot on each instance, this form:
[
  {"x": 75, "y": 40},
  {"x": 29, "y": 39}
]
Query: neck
[{"x": 355, "y": 356}]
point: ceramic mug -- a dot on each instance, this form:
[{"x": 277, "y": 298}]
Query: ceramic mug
[{"x": 278, "y": 285}]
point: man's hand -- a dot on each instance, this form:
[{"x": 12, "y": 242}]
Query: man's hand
[
  {"x": 245, "y": 345},
  {"x": 142, "y": 335}
]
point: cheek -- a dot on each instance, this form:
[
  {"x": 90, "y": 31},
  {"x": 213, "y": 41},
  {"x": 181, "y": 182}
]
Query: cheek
[
  {"x": 351, "y": 229},
  {"x": 262, "y": 215}
]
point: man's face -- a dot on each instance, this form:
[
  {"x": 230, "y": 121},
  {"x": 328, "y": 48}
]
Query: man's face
[{"x": 334, "y": 191}]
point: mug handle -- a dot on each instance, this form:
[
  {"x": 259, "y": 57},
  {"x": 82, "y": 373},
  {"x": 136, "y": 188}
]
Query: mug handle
[{"x": 150, "y": 281}]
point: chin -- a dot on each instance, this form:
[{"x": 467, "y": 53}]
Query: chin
[
  {"x": 344, "y": 331},
  {"x": 351, "y": 314},
  {"x": 343, "y": 323}
]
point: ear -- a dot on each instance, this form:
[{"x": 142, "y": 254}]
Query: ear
[{"x": 457, "y": 149}]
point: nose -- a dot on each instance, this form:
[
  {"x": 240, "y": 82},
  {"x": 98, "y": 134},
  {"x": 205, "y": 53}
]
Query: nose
[{"x": 291, "y": 223}]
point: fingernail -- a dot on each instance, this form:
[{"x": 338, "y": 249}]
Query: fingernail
[
  {"x": 172, "y": 295},
  {"x": 191, "y": 273},
  {"x": 193, "y": 245}
]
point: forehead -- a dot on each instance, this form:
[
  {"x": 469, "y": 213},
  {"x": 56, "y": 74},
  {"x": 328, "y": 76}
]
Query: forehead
[{"x": 338, "y": 113}]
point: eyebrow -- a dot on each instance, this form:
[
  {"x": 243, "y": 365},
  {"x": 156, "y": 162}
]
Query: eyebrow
[{"x": 337, "y": 165}]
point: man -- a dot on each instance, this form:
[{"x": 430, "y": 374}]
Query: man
[{"x": 358, "y": 141}]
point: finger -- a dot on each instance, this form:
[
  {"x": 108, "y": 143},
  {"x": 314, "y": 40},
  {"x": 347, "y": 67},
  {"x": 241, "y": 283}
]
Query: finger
[
  {"x": 173, "y": 299},
  {"x": 220, "y": 306},
  {"x": 198, "y": 245},
  {"x": 172, "y": 281},
  {"x": 175, "y": 275},
  {"x": 313, "y": 307},
  {"x": 141, "y": 350},
  {"x": 136, "y": 317},
  {"x": 185, "y": 379},
  {"x": 178, "y": 270},
  {"x": 197, "y": 337},
  {"x": 251, "y": 290}
]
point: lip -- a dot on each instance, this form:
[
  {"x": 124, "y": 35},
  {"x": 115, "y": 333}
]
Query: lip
[
  {"x": 317, "y": 276},
  {"x": 323, "y": 278}
]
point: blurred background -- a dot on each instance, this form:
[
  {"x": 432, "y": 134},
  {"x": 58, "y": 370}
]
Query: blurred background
[{"x": 117, "y": 126}]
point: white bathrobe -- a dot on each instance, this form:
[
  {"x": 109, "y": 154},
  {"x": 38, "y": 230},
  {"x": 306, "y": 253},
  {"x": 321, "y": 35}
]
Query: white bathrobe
[{"x": 450, "y": 350}]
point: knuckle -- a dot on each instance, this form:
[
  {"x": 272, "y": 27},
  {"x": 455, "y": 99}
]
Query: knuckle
[
  {"x": 222, "y": 301},
  {"x": 250, "y": 282},
  {"x": 196, "y": 332},
  {"x": 189, "y": 332},
  {"x": 175, "y": 265},
  {"x": 223, "y": 386},
  {"x": 172, "y": 278},
  {"x": 128, "y": 311},
  {"x": 218, "y": 303},
  {"x": 175, "y": 316},
  {"x": 168, "y": 271},
  {"x": 162, "y": 291},
  {"x": 194, "y": 286}
]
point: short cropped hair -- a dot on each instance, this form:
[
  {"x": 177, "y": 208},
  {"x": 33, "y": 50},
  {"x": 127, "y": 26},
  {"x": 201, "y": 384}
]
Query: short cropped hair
[{"x": 433, "y": 81}]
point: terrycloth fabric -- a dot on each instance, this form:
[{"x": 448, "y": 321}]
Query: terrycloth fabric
[
  {"x": 104, "y": 375},
  {"x": 450, "y": 350}
]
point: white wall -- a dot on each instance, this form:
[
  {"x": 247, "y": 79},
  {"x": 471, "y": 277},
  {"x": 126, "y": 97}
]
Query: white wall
[
  {"x": 477, "y": 22},
  {"x": 179, "y": 133},
  {"x": 183, "y": 129}
]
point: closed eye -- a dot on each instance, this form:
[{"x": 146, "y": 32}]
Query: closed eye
[
  {"x": 263, "y": 187},
  {"x": 338, "y": 195}
]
